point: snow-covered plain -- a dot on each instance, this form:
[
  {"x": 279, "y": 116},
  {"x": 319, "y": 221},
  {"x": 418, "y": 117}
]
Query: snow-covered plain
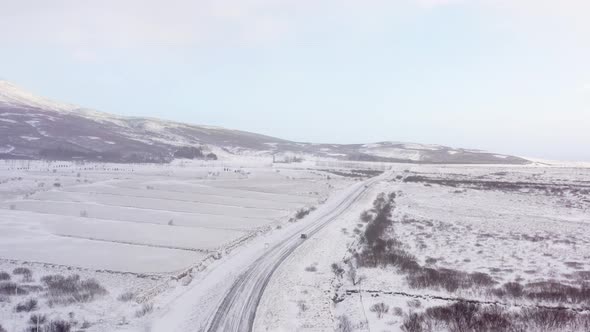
[
  {"x": 535, "y": 232},
  {"x": 177, "y": 235},
  {"x": 138, "y": 227}
]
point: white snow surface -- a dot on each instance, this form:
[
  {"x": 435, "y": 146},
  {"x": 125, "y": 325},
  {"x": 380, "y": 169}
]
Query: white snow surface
[{"x": 12, "y": 95}]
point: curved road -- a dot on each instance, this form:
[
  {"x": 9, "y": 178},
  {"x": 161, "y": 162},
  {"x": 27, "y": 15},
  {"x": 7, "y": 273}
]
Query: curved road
[{"x": 237, "y": 310}]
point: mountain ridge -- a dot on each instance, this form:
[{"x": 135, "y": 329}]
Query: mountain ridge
[{"x": 40, "y": 128}]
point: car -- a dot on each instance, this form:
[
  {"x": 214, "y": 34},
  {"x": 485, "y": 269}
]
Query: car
[{"x": 303, "y": 236}]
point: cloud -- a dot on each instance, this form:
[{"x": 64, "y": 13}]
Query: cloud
[
  {"x": 141, "y": 22},
  {"x": 129, "y": 23}
]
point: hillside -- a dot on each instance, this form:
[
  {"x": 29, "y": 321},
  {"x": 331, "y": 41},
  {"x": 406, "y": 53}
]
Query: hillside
[{"x": 35, "y": 127}]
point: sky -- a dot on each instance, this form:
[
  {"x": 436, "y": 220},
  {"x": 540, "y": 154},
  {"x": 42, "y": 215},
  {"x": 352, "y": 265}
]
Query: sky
[{"x": 509, "y": 76}]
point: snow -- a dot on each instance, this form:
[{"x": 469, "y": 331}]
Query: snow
[
  {"x": 6, "y": 149},
  {"x": 395, "y": 152},
  {"x": 189, "y": 228},
  {"x": 121, "y": 223},
  {"x": 13, "y": 95},
  {"x": 30, "y": 138},
  {"x": 472, "y": 230}
]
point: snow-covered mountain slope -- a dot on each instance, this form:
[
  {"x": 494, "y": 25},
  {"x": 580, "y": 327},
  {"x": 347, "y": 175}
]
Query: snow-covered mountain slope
[{"x": 33, "y": 127}]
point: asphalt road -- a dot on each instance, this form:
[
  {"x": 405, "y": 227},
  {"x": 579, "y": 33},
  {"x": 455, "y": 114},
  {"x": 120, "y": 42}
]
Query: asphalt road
[{"x": 237, "y": 310}]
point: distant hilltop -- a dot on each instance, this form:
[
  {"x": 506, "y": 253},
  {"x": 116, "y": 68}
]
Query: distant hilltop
[{"x": 35, "y": 127}]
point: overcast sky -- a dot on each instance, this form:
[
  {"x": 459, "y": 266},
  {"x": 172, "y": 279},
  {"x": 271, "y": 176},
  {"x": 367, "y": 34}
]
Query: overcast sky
[{"x": 510, "y": 76}]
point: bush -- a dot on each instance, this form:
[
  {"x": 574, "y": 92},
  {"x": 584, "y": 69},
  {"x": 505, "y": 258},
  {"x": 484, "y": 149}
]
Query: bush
[
  {"x": 303, "y": 212},
  {"x": 11, "y": 288},
  {"x": 37, "y": 320},
  {"x": 66, "y": 290},
  {"x": 338, "y": 271},
  {"x": 413, "y": 323},
  {"x": 4, "y": 276},
  {"x": 147, "y": 308},
  {"x": 126, "y": 297},
  {"x": 302, "y": 306},
  {"x": 311, "y": 268},
  {"x": 548, "y": 291},
  {"x": 22, "y": 271},
  {"x": 549, "y": 319},
  {"x": 58, "y": 326},
  {"x": 513, "y": 289},
  {"x": 344, "y": 324},
  {"x": 553, "y": 291},
  {"x": 366, "y": 216},
  {"x": 466, "y": 317},
  {"x": 27, "y": 306},
  {"x": 380, "y": 309},
  {"x": 415, "y": 303}
]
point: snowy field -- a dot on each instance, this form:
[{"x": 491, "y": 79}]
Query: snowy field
[
  {"x": 499, "y": 238},
  {"x": 134, "y": 228},
  {"x": 504, "y": 239},
  {"x": 153, "y": 219}
]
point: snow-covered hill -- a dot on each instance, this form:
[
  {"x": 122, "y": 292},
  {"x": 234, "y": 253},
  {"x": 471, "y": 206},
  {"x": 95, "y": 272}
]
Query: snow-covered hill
[{"x": 35, "y": 127}]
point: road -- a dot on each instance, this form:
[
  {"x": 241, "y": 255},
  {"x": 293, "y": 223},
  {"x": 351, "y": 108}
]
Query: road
[{"x": 237, "y": 310}]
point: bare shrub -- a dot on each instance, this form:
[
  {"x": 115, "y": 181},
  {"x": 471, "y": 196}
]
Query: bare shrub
[
  {"x": 344, "y": 324},
  {"x": 145, "y": 309},
  {"x": 4, "y": 276},
  {"x": 84, "y": 214},
  {"x": 22, "y": 271},
  {"x": 413, "y": 323},
  {"x": 513, "y": 289},
  {"x": 351, "y": 273},
  {"x": 311, "y": 268},
  {"x": 66, "y": 290},
  {"x": 548, "y": 291},
  {"x": 302, "y": 306},
  {"x": 494, "y": 319},
  {"x": 380, "y": 309},
  {"x": 481, "y": 279},
  {"x": 12, "y": 206},
  {"x": 466, "y": 317},
  {"x": 37, "y": 321},
  {"x": 302, "y": 213},
  {"x": 549, "y": 319},
  {"x": 11, "y": 288},
  {"x": 415, "y": 303},
  {"x": 126, "y": 297},
  {"x": 58, "y": 326},
  {"x": 27, "y": 306},
  {"x": 338, "y": 271},
  {"x": 448, "y": 279},
  {"x": 553, "y": 291},
  {"x": 397, "y": 311},
  {"x": 366, "y": 216},
  {"x": 431, "y": 261},
  {"x": 430, "y": 278},
  {"x": 2, "y": 329},
  {"x": 459, "y": 317}
]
